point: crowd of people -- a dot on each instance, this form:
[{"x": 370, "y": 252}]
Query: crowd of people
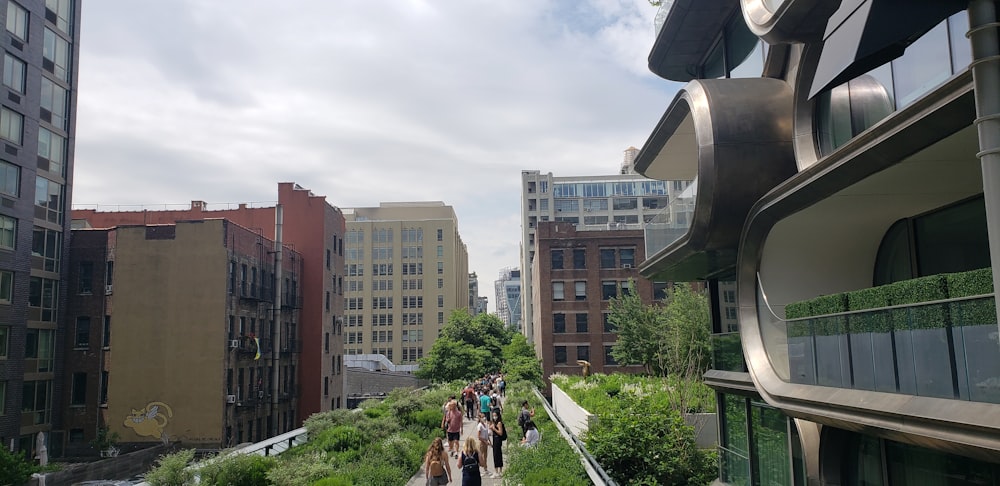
[{"x": 483, "y": 401}]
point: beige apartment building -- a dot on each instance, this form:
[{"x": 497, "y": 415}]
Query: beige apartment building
[{"x": 407, "y": 270}]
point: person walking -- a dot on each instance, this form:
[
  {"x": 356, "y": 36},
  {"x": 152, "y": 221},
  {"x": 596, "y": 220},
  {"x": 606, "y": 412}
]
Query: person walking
[
  {"x": 452, "y": 425},
  {"x": 469, "y": 396},
  {"x": 437, "y": 468},
  {"x": 468, "y": 462},
  {"x": 499, "y": 436},
  {"x": 483, "y": 434},
  {"x": 484, "y": 405}
]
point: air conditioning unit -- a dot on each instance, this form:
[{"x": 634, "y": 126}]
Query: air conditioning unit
[
  {"x": 234, "y": 343},
  {"x": 230, "y": 398},
  {"x": 626, "y": 265},
  {"x": 108, "y": 289}
]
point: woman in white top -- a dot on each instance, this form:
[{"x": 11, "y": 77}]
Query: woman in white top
[{"x": 531, "y": 437}]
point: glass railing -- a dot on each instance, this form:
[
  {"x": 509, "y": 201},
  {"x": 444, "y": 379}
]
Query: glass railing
[
  {"x": 672, "y": 222},
  {"x": 727, "y": 352},
  {"x": 944, "y": 349}
]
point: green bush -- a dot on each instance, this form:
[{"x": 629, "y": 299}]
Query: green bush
[
  {"x": 334, "y": 481},
  {"x": 172, "y": 470},
  {"x": 14, "y": 468},
  {"x": 339, "y": 438},
  {"x": 300, "y": 470},
  {"x": 242, "y": 469},
  {"x": 967, "y": 284},
  {"x": 643, "y": 443},
  {"x": 869, "y": 298},
  {"x": 599, "y": 392},
  {"x": 914, "y": 291}
]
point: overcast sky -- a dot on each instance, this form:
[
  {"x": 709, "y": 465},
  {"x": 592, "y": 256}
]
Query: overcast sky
[{"x": 361, "y": 101}]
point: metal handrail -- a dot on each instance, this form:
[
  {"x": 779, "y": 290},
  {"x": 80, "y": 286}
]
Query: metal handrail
[{"x": 590, "y": 463}]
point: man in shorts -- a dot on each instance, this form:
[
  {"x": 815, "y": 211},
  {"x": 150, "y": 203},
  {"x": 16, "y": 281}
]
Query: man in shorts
[{"x": 452, "y": 424}]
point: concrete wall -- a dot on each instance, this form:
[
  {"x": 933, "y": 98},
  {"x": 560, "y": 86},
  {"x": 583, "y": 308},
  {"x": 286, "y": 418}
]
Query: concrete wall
[
  {"x": 123, "y": 466},
  {"x": 576, "y": 418},
  {"x": 362, "y": 381}
]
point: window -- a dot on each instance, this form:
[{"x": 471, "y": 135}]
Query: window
[
  {"x": 440, "y": 317},
  {"x": 55, "y": 55},
  {"x": 82, "y": 334},
  {"x": 51, "y": 151},
  {"x": 440, "y": 301},
  {"x": 566, "y": 205},
  {"x": 10, "y": 179},
  {"x": 8, "y": 232},
  {"x": 558, "y": 291},
  {"x": 17, "y": 20},
  {"x": 36, "y": 402},
  {"x": 609, "y": 289},
  {"x": 557, "y": 259},
  {"x": 13, "y": 73},
  {"x": 543, "y": 204},
  {"x": 46, "y": 249},
  {"x": 86, "y": 281},
  {"x": 53, "y": 103},
  {"x": 440, "y": 283},
  {"x": 440, "y": 235},
  {"x": 579, "y": 258},
  {"x": 607, "y": 258},
  {"x": 583, "y": 353},
  {"x": 106, "y": 335},
  {"x": 48, "y": 200},
  {"x": 729, "y": 296},
  {"x": 581, "y": 290},
  {"x": 440, "y": 251},
  {"x": 104, "y": 388},
  {"x": 78, "y": 395},
  {"x": 660, "y": 290},
  {"x": 39, "y": 349},
  {"x": 62, "y": 10},
  {"x": 10, "y": 125},
  {"x": 6, "y": 287},
  {"x": 730, "y": 313},
  {"x": 581, "y": 323},
  {"x": 608, "y": 325},
  {"x": 558, "y": 323},
  {"x": 440, "y": 268},
  {"x": 560, "y": 354},
  {"x": 609, "y": 359},
  {"x": 625, "y": 203},
  {"x": 4, "y": 334},
  {"x": 590, "y": 205},
  {"x": 627, "y": 256},
  {"x": 42, "y": 298}
]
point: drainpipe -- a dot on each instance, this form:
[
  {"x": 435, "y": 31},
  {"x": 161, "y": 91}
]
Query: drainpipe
[
  {"x": 986, "y": 81},
  {"x": 276, "y": 321}
]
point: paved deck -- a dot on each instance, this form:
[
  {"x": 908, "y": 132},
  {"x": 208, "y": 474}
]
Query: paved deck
[{"x": 468, "y": 429}]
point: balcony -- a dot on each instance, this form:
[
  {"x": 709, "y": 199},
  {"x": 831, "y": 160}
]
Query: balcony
[
  {"x": 943, "y": 349},
  {"x": 672, "y": 222}
]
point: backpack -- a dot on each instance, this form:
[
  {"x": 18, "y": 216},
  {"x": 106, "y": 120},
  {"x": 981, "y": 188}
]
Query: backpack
[
  {"x": 522, "y": 418},
  {"x": 504, "y": 436},
  {"x": 435, "y": 468},
  {"x": 470, "y": 463}
]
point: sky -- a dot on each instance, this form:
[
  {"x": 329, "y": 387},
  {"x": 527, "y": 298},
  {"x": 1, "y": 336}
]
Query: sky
[{"x": 362, "y": 102}]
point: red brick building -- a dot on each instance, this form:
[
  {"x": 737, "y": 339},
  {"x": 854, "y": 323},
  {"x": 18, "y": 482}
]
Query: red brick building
[
  {"x": 315, "y": 229},
  {"x": 575, "y": 274}
]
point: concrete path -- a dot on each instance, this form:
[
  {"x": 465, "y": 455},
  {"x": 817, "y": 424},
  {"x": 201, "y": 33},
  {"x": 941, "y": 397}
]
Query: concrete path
[{"x": 468, "y": 429}]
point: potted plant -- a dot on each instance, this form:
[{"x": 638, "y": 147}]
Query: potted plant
[{"x": 106, "y": 442}]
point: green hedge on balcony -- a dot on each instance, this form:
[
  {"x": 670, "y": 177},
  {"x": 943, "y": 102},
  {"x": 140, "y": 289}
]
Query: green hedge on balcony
[{"x": 913, "y": 291}]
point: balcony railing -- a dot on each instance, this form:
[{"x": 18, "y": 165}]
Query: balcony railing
[
  {"x": 945, "y": 349},
  {"x": 727, "y": 352},
  {"x": 672, "y": 222}
]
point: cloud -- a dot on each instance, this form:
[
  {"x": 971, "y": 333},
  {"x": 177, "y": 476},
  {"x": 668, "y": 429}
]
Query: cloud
[{"x": 362, "y": 102}]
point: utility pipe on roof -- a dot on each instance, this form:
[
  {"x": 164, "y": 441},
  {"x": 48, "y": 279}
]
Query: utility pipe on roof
[
  {"x": 985, "y": 67},
  {"x": 276, "y": 321}
]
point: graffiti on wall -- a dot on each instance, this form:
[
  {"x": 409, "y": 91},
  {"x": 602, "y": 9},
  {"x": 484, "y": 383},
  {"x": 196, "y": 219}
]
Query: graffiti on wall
[{"x": 149, "y": 421}]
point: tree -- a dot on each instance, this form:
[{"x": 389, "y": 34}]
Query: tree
[
  {"x": 520, "y": 361},
  {"x": 668, "y": 338},
  {"x": 450, "y": 360},
  {"x": 14, "y": 468}
]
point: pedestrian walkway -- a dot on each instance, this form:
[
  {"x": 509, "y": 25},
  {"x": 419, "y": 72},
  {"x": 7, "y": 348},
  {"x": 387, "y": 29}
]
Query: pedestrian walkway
[{"x": 468, "y": 429}]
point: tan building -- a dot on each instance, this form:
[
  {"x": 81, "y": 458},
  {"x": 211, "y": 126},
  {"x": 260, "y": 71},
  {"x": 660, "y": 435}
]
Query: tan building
[
  {"x": 188, "y": 343},
  {"x": 407, "y": 269}
]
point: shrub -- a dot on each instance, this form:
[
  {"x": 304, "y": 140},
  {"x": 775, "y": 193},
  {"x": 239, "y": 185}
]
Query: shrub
[
  {"x": 339, "y": 438},
  {"x": 172, "y": 470},
  {"x": 300, "y": 470},
  {"x": 242, "y": 469},
  {"x": 14, "y": 468}
]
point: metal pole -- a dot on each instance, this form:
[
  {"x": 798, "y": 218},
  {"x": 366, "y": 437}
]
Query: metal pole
[
  {"x": 276, "y": 321},
  {"x": 986, "y": 81}
]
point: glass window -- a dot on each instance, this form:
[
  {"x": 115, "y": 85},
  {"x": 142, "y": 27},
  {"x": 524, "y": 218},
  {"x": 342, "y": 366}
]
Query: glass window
[
  {"x": 13, "y": 73},
  {"x": 82, "y": 332},
  {"x": 581, "y": 323},
  {"x": 961, "y": 49},
  {"x": 558, "y": 323},
  {"x": 627, "y": 256},
  {"x": 595, "y": 189},
  {"x": 915, "y": 75},
  {"x": 61, "y": 11},
  {"x": 86, "y": 280},
  {"x": 567, "y": 205},
  {"x": 6, "y": 287},
  {"x": 607, "y": 258},
  {"x": 609, "y": 359},
  {"x": 440, "y": 235},
  {"x": 51, "y": 151},
  {"x": 660, "y": 290},
  {"x": 608, "y": 325},
  {"x": 609, "y": 289},
  {"x": 11, "y": 123},
  {"x": 55, "y": 55},
  {"x": 106, "y": 335},
  {"x": 543, "y": 204},
  {"x": 39, "y": 350},
  {"x": 78, "y": 395},
  {"x": 560, "y": 354},
  {"x": 583, "y": 352},
  {"x": 46, "y": 249},
  {"x": 42, "y": 299},
  {"x": 440, "y": 251},
  {"x": 4, "y": 334},
  {"x": 557, "y": 259},
  {"x": 558, "y": 291},
  {"x": 36, "y": 402},
  {"x": 54, "y": 103},
  {"x": 48, "y": 200},
  {"x": 770, "y": 440},
  {"x": 17, "y": 20},
  {"x": 581, "y": 290},
  {"x": 734, "y": 457},
  {"x": 625, "y": 203},
  {"x": 595, "y": 205},
  {"x": 8, "y": 232},
  {"x": 579, "y": 258},
  {"x": 10, "y": 179}
]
